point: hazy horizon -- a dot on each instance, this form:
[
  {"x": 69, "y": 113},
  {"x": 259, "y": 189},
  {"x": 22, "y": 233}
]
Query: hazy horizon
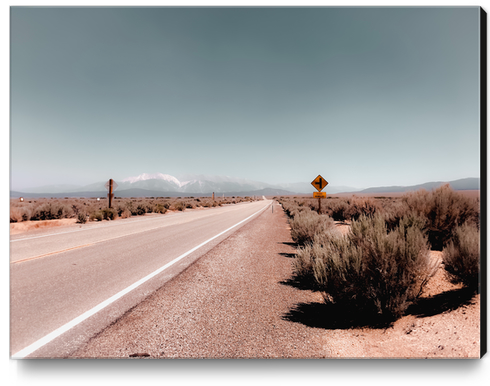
[{"x": 363, "y": 96}]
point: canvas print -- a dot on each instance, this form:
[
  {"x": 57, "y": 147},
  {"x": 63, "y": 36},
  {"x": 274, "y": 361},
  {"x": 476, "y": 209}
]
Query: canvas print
[{"x": 247, "y": 182}]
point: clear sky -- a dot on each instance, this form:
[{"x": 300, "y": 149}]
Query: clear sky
[{"x": 364, "y": 96}]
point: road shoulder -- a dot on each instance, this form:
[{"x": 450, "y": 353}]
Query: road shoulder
[{"x": 229, "y": 304}]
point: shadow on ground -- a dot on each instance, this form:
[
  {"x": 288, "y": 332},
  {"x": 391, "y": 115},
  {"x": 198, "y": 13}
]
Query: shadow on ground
[
  {"x": 329, "y": 317},
  {"x": 295, "y": 245},
  {"x": 440, "y": 303},
  {"x": 334, "y": 316}
]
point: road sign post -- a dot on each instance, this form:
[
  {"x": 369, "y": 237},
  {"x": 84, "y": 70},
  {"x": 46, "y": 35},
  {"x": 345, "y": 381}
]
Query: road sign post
[{"x": 319, "y": 183}]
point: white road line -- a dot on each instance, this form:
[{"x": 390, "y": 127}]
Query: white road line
[{"x": 56, "y": 333}]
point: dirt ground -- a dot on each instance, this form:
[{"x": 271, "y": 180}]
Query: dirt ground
[
  {"x": 30, "y": 226},
  {"x": 238, "y": 301}
]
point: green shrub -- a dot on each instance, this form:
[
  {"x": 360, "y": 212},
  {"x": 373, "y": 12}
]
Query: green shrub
[
  {"x": 371, "y": 271},
  {"x": 305, "y": 225},
  {"x": 461, "y": 257}
]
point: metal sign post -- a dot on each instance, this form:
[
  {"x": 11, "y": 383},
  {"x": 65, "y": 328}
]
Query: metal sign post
[{"x": 319, "y": 183}]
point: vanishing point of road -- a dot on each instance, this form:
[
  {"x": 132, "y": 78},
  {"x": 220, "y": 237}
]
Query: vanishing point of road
[{"x": 67, "y": 285}]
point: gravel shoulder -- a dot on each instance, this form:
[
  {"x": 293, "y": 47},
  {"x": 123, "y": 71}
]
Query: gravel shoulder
[{"x": 233, "y": 302}]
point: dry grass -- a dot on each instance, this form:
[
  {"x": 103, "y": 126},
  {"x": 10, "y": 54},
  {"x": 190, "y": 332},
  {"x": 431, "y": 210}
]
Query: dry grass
[{"x": 76, "y": 208}]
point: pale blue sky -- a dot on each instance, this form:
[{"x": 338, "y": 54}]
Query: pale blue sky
[{"x": 364, "y": 96}]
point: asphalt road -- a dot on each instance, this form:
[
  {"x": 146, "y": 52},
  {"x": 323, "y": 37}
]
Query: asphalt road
[{"x": 67, "y": 285}]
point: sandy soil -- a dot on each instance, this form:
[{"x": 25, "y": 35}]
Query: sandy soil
[
  {"x": 238, "y": 301},
  {"x": 30, "y": 226}
]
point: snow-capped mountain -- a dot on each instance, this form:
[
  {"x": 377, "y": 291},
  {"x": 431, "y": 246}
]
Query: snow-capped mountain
[
  {"x": 155, "y": 176},
  {"x": 191, "y": 183}
]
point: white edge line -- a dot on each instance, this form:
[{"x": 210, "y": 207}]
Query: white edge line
[{"x": 56, "y": 333}]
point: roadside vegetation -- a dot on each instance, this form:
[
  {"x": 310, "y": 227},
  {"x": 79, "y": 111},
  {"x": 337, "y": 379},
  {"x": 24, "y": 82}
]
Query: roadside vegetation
[
  {"x": 382, "y": 265},
  {"x": 89, "y": 209}
]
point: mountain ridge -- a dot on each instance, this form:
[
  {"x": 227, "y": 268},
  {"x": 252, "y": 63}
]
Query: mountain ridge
[{"x": 158, "y": 185}]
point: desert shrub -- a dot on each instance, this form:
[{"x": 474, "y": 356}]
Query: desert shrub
[
  {"x": 109, "y": 213},
  {"x": 305, "y": 225},
  {"x": 373, "y": 272},
  {"x": 20, "y": 213},
  {"x": 160, "y": 208},
  {"x": 395, "y": 211},
  {"x": 140, "y": 210},
  {"x": 125, "y": 213},
  {"x": 444, "y": 210},
  {"x": 337, "y": 209},
  {"x": 461, "y": 257},
  {"x": 96, "y": 216},
  {"x": 149, "y": 207},
  {"x": 51, "y": 210},
  {"x": 189, "y": 205},
  {"x": 209, "y": 204},
  {"x": 361, "y": 206},
  {"x": 81, "y": 217},
  {"x": 178, "y": 205}
]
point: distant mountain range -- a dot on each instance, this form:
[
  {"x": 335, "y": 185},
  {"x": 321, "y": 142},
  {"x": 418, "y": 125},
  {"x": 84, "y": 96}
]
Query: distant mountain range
[
  {"x": 158, "y": 185},
  {"x": 463, "y": 184}
]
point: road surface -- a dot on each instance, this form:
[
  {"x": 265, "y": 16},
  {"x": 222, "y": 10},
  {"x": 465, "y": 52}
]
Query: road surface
[{"x": 67, "y": 285}]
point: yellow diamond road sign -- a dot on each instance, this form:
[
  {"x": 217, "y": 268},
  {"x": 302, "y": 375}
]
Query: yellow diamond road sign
[{"x": 319, "y": 183}]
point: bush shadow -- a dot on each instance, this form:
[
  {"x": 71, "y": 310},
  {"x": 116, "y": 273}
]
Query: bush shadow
[
  {"x": 331, "y": 317},
  {"x": 338, "y": 316},
  {"x": 291, "y": 244},
  {"x": 444, "y": 302},
  {"x": 288, "y": 255},
  {"x": 300, "y": 283}
]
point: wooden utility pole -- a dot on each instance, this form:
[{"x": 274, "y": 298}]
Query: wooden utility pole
[{"x": 111, "y": 184}]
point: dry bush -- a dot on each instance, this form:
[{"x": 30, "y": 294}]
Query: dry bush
[
  {"x": 109, "y": 213},
  {"x": 51, "y": 211},
  {"x": 16, "y": 214},
  {"x": 461, "y": 257},
  {"x": 96, "y": 216},
  {"x": 444, "y": 210},
  {"x": 337, "y": 209},
  {"x": 160, "y": 208},
  {"x": 305, "y": 225},
  {"x": 361, "y": 206},
  {"x": 372, "y": 272},
  {"x": 178, "y": 205},
  {"x": 81, "y": 217}
]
